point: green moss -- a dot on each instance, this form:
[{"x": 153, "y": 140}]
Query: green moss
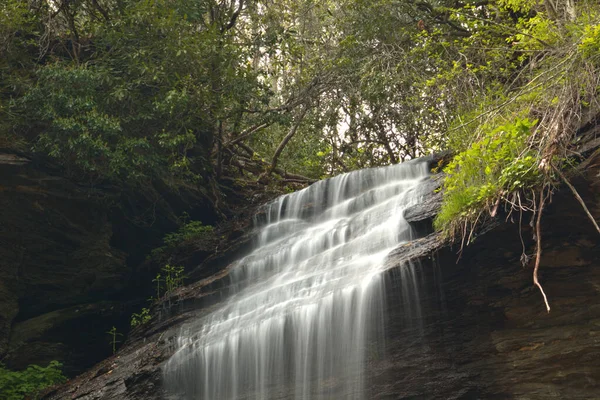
[{"x": 499, "y": 163}]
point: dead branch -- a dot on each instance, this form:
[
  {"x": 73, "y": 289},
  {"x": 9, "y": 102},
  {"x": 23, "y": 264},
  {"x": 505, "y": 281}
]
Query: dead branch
[
  {"x": 249, "y": 150},
  {"x": 474, "y": 226},
  {"x": 524, "y": 256},
  {"x": 462, "y": 243},
  {"x": 292, "y": 180}
]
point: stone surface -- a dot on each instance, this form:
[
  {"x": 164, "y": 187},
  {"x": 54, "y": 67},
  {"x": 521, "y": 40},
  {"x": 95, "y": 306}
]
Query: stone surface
[
  {"x": 478, "y": 330},
  {"x": 428, "y": 208},
  {"x": 71, "y": 261},
  {"x": 54, "y": 252},
  {"x": 484, "y": 330}
]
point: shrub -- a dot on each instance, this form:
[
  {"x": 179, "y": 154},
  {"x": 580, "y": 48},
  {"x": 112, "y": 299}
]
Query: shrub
[
  {"x": 16, "y": 385},
  {"x": 141, "y": 318},
  {"x": 173, "y": 277},
  {"x": 187, "y": 233},
  {"x": 590, "y": 43},
  {"x": 499, "y": 163}
]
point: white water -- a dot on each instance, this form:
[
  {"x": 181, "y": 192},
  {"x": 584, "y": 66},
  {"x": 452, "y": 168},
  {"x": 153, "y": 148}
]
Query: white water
[{"x": 307, "y": 299}]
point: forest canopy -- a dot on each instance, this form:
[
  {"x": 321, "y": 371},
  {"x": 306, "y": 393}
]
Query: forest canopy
[{"x": 129, "y": 91}]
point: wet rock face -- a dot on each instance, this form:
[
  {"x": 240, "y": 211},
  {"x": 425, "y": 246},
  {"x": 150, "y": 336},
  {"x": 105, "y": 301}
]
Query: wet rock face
[
  {"x": 428, "y": 208},
  {"x": 471, "y": 329},
  {"x": 483, "y": 330}
]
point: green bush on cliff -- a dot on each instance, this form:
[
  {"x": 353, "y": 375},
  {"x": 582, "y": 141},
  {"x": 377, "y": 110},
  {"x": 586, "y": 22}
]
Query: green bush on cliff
[
  {"x": 17, "y": 385},
  {"x": 501, "y": 162},
  {"x": 187, "y": 233},
  {"x": 511, "y": 139},
  {"x": 590, "y": 43}
]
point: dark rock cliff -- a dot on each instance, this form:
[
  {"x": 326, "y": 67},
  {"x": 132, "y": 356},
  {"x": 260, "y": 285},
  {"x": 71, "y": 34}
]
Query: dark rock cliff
[
  {"x": 71, "y": 261},
  {"x": 478, "y": 330}
]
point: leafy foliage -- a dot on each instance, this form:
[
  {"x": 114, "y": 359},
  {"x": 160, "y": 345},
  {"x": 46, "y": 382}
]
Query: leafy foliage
[
  {"x": 209, "y": 92},
  {"x": 168, "y": 279},
  {"x": 515, "y": 130},
  {"x": 590, "y": 42},
  {"x": 114, "y": 338},
  {"x": 189, "y": 232},
  {"x": 140, "y": 318},
  {"x": 17, "y": 385},
  {"x": 173, "y": 276},
  {"x": 501, "y": 162}
]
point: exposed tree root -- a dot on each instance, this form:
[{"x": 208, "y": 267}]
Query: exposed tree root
[
  {"x": 462, "y": 243},
  {"x": 538, "y": 253}
]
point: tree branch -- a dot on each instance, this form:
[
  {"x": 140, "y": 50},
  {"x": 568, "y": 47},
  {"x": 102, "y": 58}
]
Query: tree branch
[
  {"x": 287, "y": 138},
  {"x": 245, "y": 134},
  {"x": 101, "y": 10},
  {"x": 234, "y": 16}
]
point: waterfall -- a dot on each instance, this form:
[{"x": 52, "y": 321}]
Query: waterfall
[{"x": 307, "y": 300}]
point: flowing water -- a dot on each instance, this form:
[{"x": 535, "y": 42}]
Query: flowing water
[{"x": 308, "y": 300}]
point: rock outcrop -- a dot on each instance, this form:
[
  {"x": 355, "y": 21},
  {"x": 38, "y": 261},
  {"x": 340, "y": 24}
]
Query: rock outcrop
[
  {"x": 473, "y": 327},
  {"x": 71, "y": 261}
]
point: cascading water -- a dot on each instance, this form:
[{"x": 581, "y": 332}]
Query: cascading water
[{"x": 309, "y": 297}]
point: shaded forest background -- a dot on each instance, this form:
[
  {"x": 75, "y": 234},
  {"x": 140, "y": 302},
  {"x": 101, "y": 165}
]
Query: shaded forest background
[{"x": 205, "y": 93}]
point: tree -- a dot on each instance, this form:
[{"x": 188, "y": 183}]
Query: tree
[{"x": 209, "y": 91}]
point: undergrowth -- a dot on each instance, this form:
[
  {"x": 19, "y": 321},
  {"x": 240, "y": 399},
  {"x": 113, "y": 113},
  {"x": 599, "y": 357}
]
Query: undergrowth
[
  {"x": 17, "y": 385},
  {"x": 499, "y": 163},
  {"x": 189, "y": 232},
  {"x": 140, "y": 318}
]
